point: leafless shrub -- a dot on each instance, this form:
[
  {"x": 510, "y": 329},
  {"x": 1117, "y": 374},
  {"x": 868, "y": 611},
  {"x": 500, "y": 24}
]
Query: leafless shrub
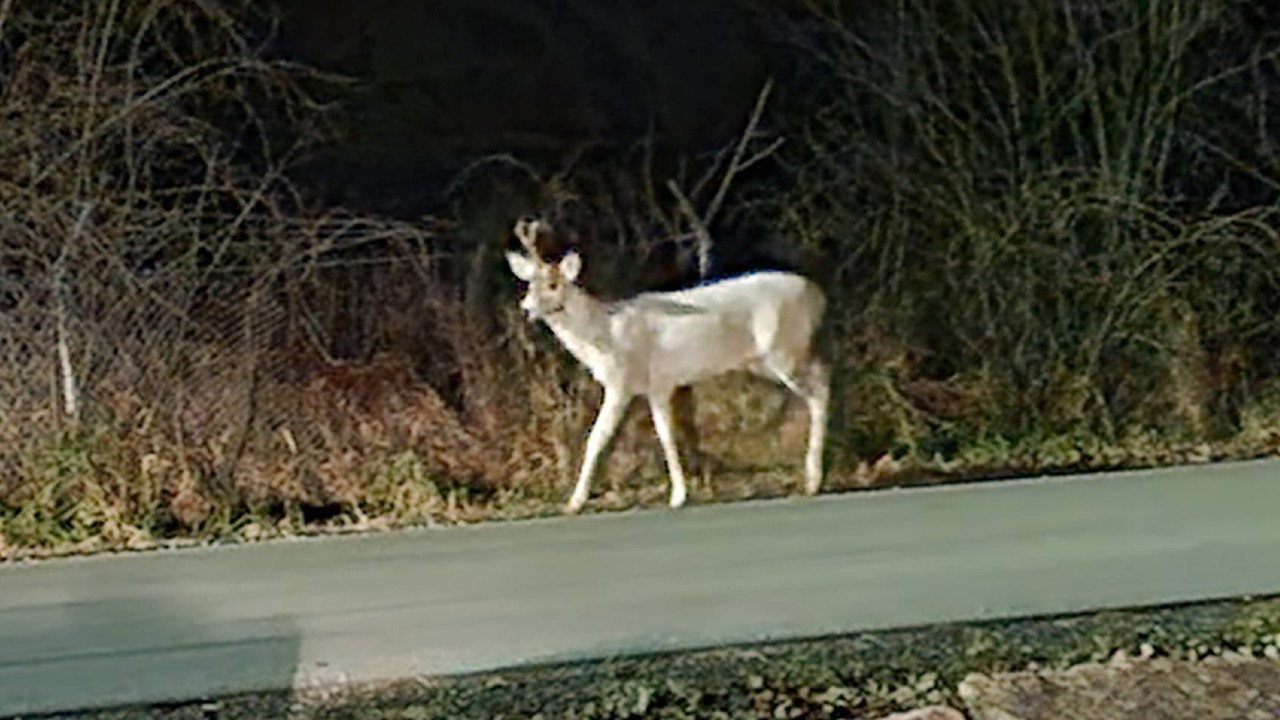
[
  {"x": 170, "y": 312},
  {"x": 1037, "y": 221},
  {"x": 1021, "y": 205}
]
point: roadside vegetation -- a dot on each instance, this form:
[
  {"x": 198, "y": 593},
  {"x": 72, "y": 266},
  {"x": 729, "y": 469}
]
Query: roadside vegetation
[
  {"x": 1050, "y": 234},
  {"x": 861, "y": 676}
]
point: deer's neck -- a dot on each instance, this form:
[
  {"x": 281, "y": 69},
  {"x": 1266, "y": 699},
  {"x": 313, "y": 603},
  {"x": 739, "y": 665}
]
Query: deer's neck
[{"x": 583, "y": 328}]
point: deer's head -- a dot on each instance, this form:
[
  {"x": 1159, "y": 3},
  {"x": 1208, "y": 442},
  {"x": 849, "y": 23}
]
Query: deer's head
[{"x": 550, "y": 284}]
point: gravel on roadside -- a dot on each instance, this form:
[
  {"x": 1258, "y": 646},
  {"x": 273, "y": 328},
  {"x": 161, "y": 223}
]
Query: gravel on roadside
[{"x": 1015, "y": 670}]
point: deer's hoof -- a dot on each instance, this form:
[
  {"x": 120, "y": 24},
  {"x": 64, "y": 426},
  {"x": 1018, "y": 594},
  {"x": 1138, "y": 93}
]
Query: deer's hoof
[
  {"x": 677, "y": 500},
  {"x": 574, "y": 506}
]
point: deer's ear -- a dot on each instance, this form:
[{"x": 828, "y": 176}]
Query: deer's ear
[
  {"x": 571, "y": 266},
  {"x": 521, "y": 266}
]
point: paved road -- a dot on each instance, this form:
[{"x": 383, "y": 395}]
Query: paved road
[{"x": 184, "y": 624}]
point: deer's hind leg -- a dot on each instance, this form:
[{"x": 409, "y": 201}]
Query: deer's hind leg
[
  {"x": 809, "y": 379},
  {"x": 817, "y": 385}
]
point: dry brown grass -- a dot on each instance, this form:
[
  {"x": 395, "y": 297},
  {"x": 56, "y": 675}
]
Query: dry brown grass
[{"x": 1036, "y": 288}]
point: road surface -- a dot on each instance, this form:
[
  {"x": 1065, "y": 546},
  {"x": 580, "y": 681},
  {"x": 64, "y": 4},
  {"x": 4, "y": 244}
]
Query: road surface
[{"x": 176, "y": 625}]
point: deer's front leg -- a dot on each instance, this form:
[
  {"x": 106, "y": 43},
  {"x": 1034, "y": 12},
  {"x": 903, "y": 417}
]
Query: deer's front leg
[
  {"x": 607, "y": 421},
  {"x": 664, "y": 423}
]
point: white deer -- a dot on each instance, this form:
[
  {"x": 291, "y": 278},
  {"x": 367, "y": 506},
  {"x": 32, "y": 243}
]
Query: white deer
[{"x": 654, "y": 343}]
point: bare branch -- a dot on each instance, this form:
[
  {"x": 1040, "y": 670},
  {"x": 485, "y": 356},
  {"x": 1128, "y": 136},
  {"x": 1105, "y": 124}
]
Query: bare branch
[
  {"x": 70, "y": 384},
  {"x": 735, "y": 165},
  {"x": 761, "y": 155},
  {"x": 700, "y": 231},
  {"x": 700, "y": 224},
  {"x": 5, "y": 7},
  {"x": 651, "y": 194}
]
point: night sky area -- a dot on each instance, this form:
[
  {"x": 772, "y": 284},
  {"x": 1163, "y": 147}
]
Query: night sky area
[{"x": 442, "y": 82}]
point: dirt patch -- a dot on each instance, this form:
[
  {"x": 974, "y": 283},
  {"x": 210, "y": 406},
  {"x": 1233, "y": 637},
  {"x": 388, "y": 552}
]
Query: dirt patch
[{"x": 1232, "y": 687}]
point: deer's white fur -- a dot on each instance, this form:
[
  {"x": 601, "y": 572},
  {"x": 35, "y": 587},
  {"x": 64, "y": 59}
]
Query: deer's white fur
[{"x": 653, "y": 343}]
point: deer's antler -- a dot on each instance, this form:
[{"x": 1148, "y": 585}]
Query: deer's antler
[{"x": 526, "y": 231}]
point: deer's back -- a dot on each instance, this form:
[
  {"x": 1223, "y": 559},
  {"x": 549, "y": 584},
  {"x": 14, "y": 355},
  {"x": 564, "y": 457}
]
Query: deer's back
[{"x": 743, "y": 293}]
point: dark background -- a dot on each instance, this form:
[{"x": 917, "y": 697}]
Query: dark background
[{"x": 446, "y": 81}]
